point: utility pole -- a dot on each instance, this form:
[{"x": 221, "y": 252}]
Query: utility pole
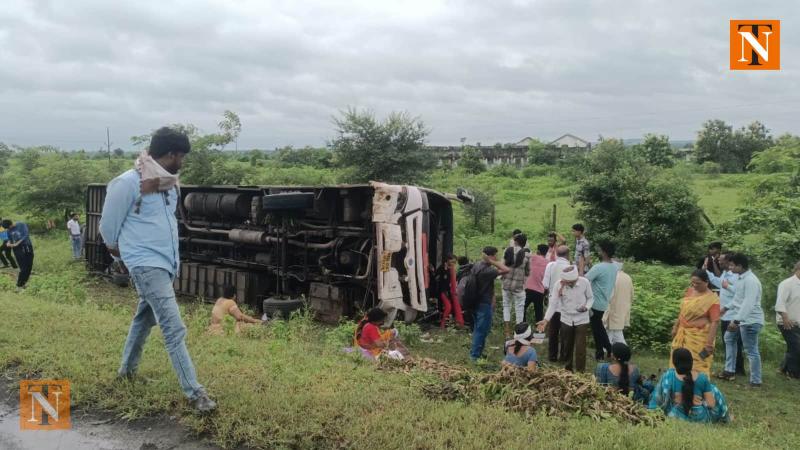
[{"x": 108, "y": 143}]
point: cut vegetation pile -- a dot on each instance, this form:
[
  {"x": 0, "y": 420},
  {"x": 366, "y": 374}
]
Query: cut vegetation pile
[{"x": 551, "y": 392}]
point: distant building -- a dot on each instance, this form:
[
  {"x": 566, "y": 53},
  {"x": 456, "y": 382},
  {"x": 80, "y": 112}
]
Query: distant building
[
  {"x": 496, "y": 155},
  {"x": 571, "y": 141},
  {"x": 515, "y": 154},
  {"x": 526, "y": 141},
  {"x": 685, "y": 153}
]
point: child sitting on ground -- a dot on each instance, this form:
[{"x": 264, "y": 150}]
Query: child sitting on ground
[{"x": 373, "y": 342}]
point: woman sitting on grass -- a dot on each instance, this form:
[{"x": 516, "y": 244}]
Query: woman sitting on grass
[
  {"x": 226, "y": 305},
  {"x": 519, "y": 352},
  {"x": 373, "y": 342},
  {"x": 688, "y": 394},
  {"x": 618, "y": 373}
]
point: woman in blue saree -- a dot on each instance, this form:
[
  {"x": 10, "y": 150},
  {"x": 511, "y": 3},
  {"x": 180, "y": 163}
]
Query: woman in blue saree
[{"x": 689, "y": 395}]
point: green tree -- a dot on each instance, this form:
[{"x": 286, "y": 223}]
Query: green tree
[
  {"x": 540, "y": 153},
  {"x": 204, "y": 165},
  {"x": 141, "y": 141},
  {"x": 732, "y": 150},
  {"x": 748, "y": 141},
  {"x": 478, "y": 212},
  {"x": 470, "y": 160},
  {"x": 765, "y": 227},
  {"x": 638, "y": 206},
  {"x": 392, "y": 150},
  {"x": 714, "y": 143},
  {"x": 784, "y": 156},
  {"x": 55, "y": 184},
  {"x": 231, "y": 127},
  {"x": 29, "y": 158},
  {"x": 5, "y": 155},
  {"x": 657, "y": 150},
  {"x": 319, "y": 158}
]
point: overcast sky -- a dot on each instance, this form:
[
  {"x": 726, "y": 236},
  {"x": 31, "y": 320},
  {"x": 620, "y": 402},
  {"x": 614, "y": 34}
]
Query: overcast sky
[{"x": 486, "y": 71}]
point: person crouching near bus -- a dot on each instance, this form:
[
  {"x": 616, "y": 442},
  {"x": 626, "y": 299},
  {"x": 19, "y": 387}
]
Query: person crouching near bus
[
  {"x": 373, "y": 342},
  {"x": 227, "y": 305}
]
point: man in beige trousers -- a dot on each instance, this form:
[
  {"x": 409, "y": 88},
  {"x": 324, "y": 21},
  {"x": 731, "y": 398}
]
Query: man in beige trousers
[{"x": 618, "y": 314}]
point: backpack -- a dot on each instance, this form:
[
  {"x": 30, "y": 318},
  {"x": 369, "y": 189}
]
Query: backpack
[{"x": 468, "y": 289}]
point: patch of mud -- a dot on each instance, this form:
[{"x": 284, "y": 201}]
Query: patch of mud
[{"x": 92, "y": 431}]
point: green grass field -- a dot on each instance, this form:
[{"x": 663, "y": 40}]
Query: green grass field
[
  {"x": 527, "y": 203},
  {"x": 288, "y": 385}
]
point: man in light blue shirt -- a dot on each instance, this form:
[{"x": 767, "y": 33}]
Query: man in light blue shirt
[
  {"x": 748, "y": 319},
  {"x": 139, "y": 225},
  {"x": 726, "y": 283},
  {"x": 603, "y": 276}
]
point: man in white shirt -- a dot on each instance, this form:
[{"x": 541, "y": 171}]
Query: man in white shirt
[
  {"x": 75, "y": 236},
  {"x": 787, "y": 311},
  {"x": 572, "y": 297},
  {"x": 551, "y": 278}
]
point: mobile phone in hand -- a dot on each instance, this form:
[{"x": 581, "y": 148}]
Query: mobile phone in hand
[{"x": 704, "y": 354}]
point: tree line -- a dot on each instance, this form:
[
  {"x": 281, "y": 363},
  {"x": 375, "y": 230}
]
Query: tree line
[{"x": 624, "y": 192}]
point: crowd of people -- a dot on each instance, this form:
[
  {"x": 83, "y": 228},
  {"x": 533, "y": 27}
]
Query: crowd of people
[{"x": 573, "y": 296}]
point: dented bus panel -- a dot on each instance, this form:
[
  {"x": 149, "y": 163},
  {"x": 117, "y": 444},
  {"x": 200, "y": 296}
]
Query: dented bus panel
[{"x": 336, "y": 249}]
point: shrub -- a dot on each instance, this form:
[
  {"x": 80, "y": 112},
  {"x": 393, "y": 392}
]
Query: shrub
[
  {"x": 784, "y": 156},
  {"x": 504, "y": 171},
  {"x": 711, "y": 168},
  {"x": 649, "y": 216},
  {"x": 409, "y": 334},
  {"x": 272, "y": 174},
  {"x": 477, "y": 213},
  {"x": 535, "y": 171},
  {"x": 392, "y": 150},
  {"x": 658, "y": 291},
  {"x": 471, "y": 161}
]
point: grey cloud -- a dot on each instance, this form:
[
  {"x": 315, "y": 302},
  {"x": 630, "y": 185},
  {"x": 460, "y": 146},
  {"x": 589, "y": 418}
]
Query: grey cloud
[{"x": 490, "y": 71}]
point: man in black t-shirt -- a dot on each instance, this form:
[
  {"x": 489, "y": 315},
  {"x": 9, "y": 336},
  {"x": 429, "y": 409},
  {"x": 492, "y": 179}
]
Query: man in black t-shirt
[{"x": 485, "y": 272}]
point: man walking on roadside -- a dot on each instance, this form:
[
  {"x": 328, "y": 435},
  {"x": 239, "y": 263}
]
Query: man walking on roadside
[
  {"x": 485, "y": 273},
  {"x": 603, "y": 277},
  {"x": 787, "y": 310},
  {"x": 552, "y": 275},
  {"x": 726, "y": 284},
  {"x": 748, "y": 320},
  {"x": 139, "y": 226},
  {"x": 19, "y": 240},
  {"x": 75, "y": 236}
]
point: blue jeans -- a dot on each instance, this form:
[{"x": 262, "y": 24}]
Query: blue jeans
[
  {"x": 749, "y": 334},
  {"x": 483, "y": 324},
  {"x": 157, "y": 305},
  {"x": 76, "y": 246}
]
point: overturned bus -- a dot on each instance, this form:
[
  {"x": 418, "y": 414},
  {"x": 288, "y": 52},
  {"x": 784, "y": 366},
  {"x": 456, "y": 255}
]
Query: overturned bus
[{"x": 337, "y": 249}]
